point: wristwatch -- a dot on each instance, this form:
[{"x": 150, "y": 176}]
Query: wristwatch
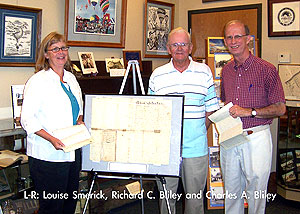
[{"x": 253, "y": 113}]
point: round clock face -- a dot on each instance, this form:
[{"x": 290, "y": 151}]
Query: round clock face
[{"x": 286, "y": 16}]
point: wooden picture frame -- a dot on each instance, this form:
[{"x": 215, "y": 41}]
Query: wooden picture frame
[
  {"x": 103, "y": 25},
  {"x": 132, "y": 55},
  {"x": 283, "y": 18},
  {"x": 20, "y": 34},
  {"x": 159, "y": 21}
]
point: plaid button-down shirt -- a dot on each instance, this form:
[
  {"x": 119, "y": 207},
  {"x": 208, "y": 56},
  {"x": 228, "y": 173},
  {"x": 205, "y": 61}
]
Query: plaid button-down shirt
[{"x": 254, "y": 84}]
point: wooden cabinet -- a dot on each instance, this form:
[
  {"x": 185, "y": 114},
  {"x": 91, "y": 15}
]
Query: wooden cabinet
[{"x": 102, "y": 83}]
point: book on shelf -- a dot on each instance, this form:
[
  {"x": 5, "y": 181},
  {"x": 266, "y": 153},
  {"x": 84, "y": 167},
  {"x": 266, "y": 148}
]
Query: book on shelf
[
  {"x": 8, "y": 158},
  {"x": 73, "y": 137}
]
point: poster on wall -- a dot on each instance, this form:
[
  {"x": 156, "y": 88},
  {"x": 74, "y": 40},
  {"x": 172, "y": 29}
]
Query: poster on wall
[
  {"x": 159, "y": 21},
  {"x": 290, "y": 78},
  {"x": 283, "y": 18},
  {"x": 20, "y": 30},
  {"x": 96, "y": 17},
  {"x": 95, "y": 23}
]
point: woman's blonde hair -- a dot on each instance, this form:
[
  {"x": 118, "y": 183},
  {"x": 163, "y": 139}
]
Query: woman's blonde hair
[{"x": 50, "y": 39}]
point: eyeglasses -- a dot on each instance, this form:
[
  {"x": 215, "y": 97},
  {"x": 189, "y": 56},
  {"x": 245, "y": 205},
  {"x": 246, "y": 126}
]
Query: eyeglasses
[
  {"x": 179, "y": 44},
  {"x": 236, "y": 37},
  {"x": 57, "y": 49}
]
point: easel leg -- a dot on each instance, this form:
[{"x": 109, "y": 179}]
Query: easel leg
[
  {"x": 124, "y": 79},
  {"x": 163, "y": 182},
  {"x": 140, "y": 78},
  {"x": 90, "y": 191},
  {"x": 134, "y": 80}
]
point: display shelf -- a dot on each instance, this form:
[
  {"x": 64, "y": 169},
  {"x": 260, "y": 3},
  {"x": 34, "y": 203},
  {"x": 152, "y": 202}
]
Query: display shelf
[
  {"x": 288, "y": 155},
  {"x": 102, "y": 83},
  {"x": 288, "y": 193}
]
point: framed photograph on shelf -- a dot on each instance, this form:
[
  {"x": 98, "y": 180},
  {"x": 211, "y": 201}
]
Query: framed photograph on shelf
[
  {"x": 20, "y": 34},
  {"x": 283, "y": 18},
  {"x": 216, "y": 45},
  {"x": 290, "y": 79},
  {"x": 17, "y": 95},
  {"x": 221, "y": 59},
  {"x": 95, "y": 23},
  {"x": 132, "y": 55},
  {"x": 214, "y": 180},
  {"x": 159, "y": 21},
  {"x": 87, "y": 62},
  {"x": 289, "y": 177},
  {"x": 115, "y": 66}
]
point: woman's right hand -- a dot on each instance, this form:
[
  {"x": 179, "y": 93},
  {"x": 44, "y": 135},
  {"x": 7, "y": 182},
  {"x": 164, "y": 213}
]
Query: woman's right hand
[{"x": 55, "y": 141}]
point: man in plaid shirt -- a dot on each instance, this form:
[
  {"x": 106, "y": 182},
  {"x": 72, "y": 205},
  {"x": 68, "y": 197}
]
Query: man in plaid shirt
[{"x": 254, "y": 87}]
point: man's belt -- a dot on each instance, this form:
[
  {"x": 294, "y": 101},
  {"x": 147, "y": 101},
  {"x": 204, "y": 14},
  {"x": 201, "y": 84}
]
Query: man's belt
[{"x": 255, "y": 129}]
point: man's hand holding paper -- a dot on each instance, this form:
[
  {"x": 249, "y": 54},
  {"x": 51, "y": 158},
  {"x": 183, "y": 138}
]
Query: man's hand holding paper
[
  {"x": 237, "y": 111},
  {"x": 230, "y": 128}
]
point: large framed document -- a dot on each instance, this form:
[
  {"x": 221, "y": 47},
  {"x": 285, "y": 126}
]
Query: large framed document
[{"x": 134, "y": 134}]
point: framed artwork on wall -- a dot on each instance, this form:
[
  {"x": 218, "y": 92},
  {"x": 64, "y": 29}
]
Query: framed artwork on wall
[
  {"x": 95, "y": 23},
  {"x": 290, "y": 78},
  {"x": 283, "y": 18},
  {"x": 20, "y": 35},
  {"x": 159, "y": 21}
]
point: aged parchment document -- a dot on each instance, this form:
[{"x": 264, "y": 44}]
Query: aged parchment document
[
  {"x": 73, "y": 137},
  {"x": 131, "y": 130},
  {"x": 230, "y": 129}
]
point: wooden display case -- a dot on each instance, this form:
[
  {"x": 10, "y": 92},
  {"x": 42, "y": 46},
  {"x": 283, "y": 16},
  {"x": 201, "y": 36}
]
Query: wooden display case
[{"x": 288, "y": 154}]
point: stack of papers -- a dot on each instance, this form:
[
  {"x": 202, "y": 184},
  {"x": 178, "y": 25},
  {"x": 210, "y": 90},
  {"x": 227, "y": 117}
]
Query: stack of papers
[{"x": 73, "y": 137}]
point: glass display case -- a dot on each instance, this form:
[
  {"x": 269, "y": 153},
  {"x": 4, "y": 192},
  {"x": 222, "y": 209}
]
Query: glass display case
[{"x": 288, "y": 153}]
